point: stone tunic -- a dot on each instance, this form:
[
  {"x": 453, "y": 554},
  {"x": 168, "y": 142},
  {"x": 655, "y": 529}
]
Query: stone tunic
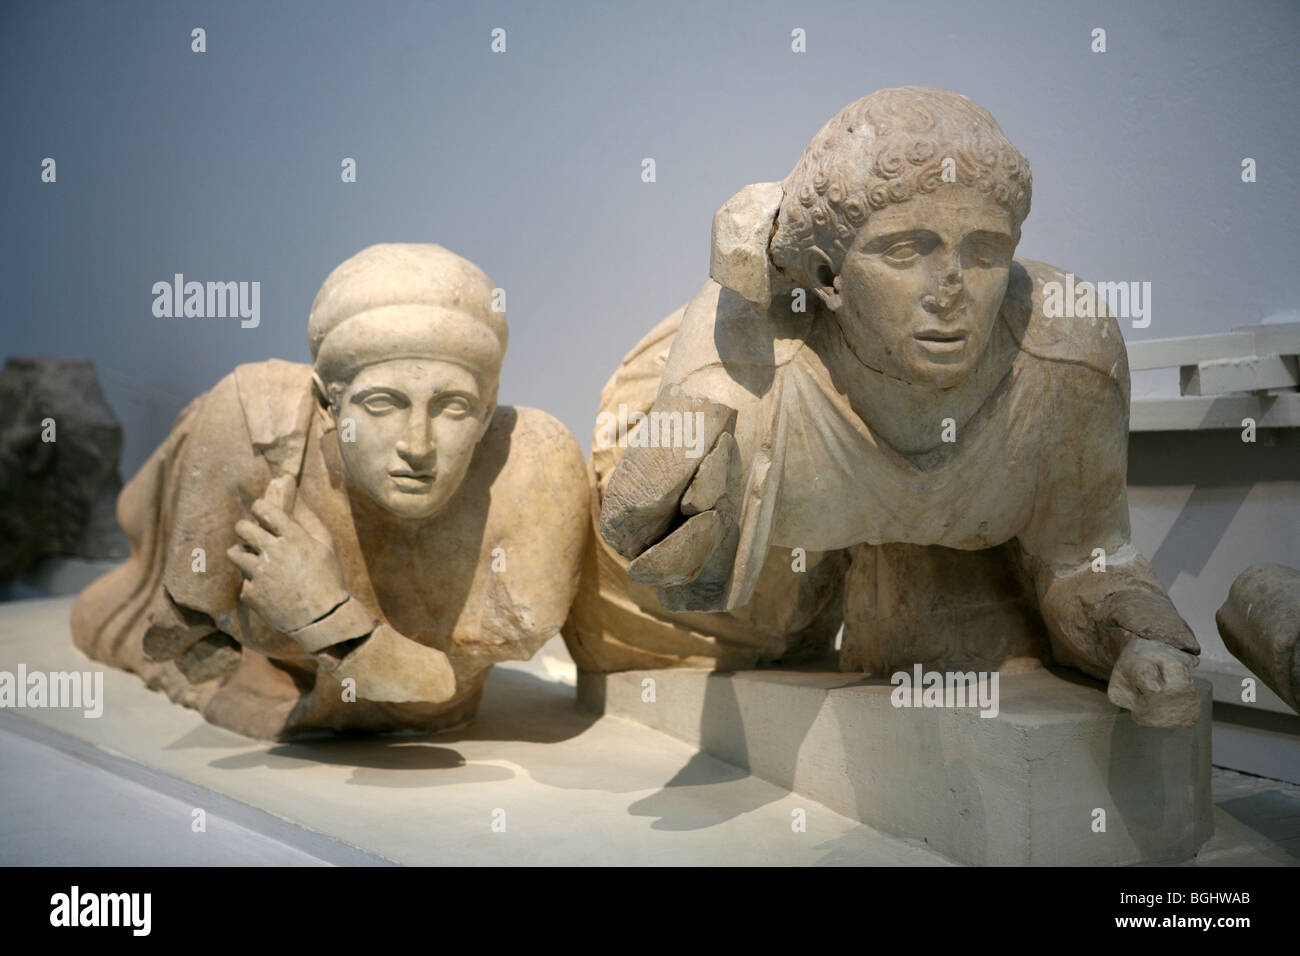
[
  {"x": 490, "y": 578},
  {"x": 1035, "y": 482}
]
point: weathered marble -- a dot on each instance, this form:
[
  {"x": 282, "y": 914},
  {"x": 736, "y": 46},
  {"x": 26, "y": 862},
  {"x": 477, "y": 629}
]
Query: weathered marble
[
  {"x": 619, "y": 624},
  {"x": 898, "y": 397},
  {"x": 60, "y": 445},
  {"x": 1260, "y": 624},
  {"x": 1019, "y": 790},
  {"x": 351, "y": 544}
]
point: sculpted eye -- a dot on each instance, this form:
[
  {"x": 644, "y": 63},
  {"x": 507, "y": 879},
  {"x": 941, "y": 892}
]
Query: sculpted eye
[
  {"x": 379, "y": 404},
  {"x": 986, "y": 253},
  {"x": 456, "y": 406},
  {"x": 901, "y": 252}
]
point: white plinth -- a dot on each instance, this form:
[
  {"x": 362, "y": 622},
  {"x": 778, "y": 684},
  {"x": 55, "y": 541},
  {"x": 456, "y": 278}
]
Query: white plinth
[
  {"x": 573, "y": 789},
  {"x": 1021, "y": 788}
]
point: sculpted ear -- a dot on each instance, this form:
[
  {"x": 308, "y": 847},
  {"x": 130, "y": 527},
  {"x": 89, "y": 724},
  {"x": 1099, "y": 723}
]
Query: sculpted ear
[
  {"x": 826, "y": 284},
  {"x": 318, "y": 388}
]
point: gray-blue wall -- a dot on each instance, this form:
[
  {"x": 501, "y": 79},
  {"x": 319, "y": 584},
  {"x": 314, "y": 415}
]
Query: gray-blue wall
[{"x": 225, "y": 165}]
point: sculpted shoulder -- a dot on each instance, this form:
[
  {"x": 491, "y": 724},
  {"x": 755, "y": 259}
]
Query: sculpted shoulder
[
  {"x": 272, "y": 394},
  {"x": 727, "y": 346},
  {"x": 253, "y": 409},
  {"x": 1094, "y": 343},
  {"x": 536, "y": 469}
]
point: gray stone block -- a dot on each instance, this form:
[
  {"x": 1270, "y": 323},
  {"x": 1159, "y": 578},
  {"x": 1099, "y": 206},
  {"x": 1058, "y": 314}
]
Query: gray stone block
[{"x": 1021, "y": 788}]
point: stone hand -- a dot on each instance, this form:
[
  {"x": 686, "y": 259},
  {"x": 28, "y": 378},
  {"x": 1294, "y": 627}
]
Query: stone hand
[
  {"x": 709, "y": 508},
  {"x": 1154, "y": 652},
  {"x": 292, "y": 575},
  {"x": 668, "y": 507},
  {"x": 1153, "y": 681}
]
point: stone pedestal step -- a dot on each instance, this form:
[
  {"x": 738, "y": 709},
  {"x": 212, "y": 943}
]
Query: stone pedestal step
[{"x": 1058, "y": 776}]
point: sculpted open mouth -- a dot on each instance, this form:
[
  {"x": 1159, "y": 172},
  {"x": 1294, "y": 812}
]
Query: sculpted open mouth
[
  {"x": 413, "y": 481},
  {"x": 942, "y": 340}
]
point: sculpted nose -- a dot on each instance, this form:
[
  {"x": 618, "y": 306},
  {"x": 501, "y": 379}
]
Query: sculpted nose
[
  {"x": 949, "y": 287},
  {"x": 952, "y": 274},
  {"x": 417, "y": 445}
]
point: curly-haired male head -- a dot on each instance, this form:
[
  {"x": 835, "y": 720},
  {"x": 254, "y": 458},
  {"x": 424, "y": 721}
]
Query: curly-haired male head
[{"x": 886, "y": 148}]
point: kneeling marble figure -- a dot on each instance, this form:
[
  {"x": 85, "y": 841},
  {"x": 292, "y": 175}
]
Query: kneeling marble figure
[
  {"x": 880, "y": 387},
  {"x": 351, "y": 544}
]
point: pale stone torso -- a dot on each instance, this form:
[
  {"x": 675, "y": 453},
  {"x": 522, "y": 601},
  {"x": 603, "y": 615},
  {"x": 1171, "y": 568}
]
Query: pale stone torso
[
  {"x": 486, "y": 579},
  {"x": 972, "y": 493},
  {"x": 820, "y": 478},
  {"x": 461, "y": 581}
]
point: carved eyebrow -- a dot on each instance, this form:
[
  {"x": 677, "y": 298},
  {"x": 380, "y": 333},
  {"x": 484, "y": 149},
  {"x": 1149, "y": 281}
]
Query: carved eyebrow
[
  {"x": 989, "y": 234},
  {"x": 392, "y": 393},
  {"x": 983, "y": 235},
  {"x": 451, "y": 393},
  {"x": 880, "y": 242}
]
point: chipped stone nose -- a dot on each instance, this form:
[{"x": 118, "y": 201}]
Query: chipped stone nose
[
  {"x": 943, "y": 302},
  {"x": 945, "y": 297}
]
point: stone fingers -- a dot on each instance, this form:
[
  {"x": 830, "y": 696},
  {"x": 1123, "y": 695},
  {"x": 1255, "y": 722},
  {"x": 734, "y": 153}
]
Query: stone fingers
[{"x": 644, "y": 496}]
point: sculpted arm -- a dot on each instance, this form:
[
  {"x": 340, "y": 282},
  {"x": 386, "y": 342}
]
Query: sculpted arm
[
  {"x": 295, "y": 582},
  {"x": 351, "y": 642},
  {"x": 672, "y": 504},
  {"x": 1104, "y": 608}
]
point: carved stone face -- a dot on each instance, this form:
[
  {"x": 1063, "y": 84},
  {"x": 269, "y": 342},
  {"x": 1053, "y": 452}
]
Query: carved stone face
[
  {"x": 920, "y": 289},
  {"x": 416, "y": 423}
]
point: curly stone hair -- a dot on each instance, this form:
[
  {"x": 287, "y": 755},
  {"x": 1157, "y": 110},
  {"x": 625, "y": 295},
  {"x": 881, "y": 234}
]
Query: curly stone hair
[{"x": 886, "y": 148}]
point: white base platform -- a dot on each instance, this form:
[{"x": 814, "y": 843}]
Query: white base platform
[
  {"x": 576, "y": 789},
  {"x": 1058, "y": 776}
]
